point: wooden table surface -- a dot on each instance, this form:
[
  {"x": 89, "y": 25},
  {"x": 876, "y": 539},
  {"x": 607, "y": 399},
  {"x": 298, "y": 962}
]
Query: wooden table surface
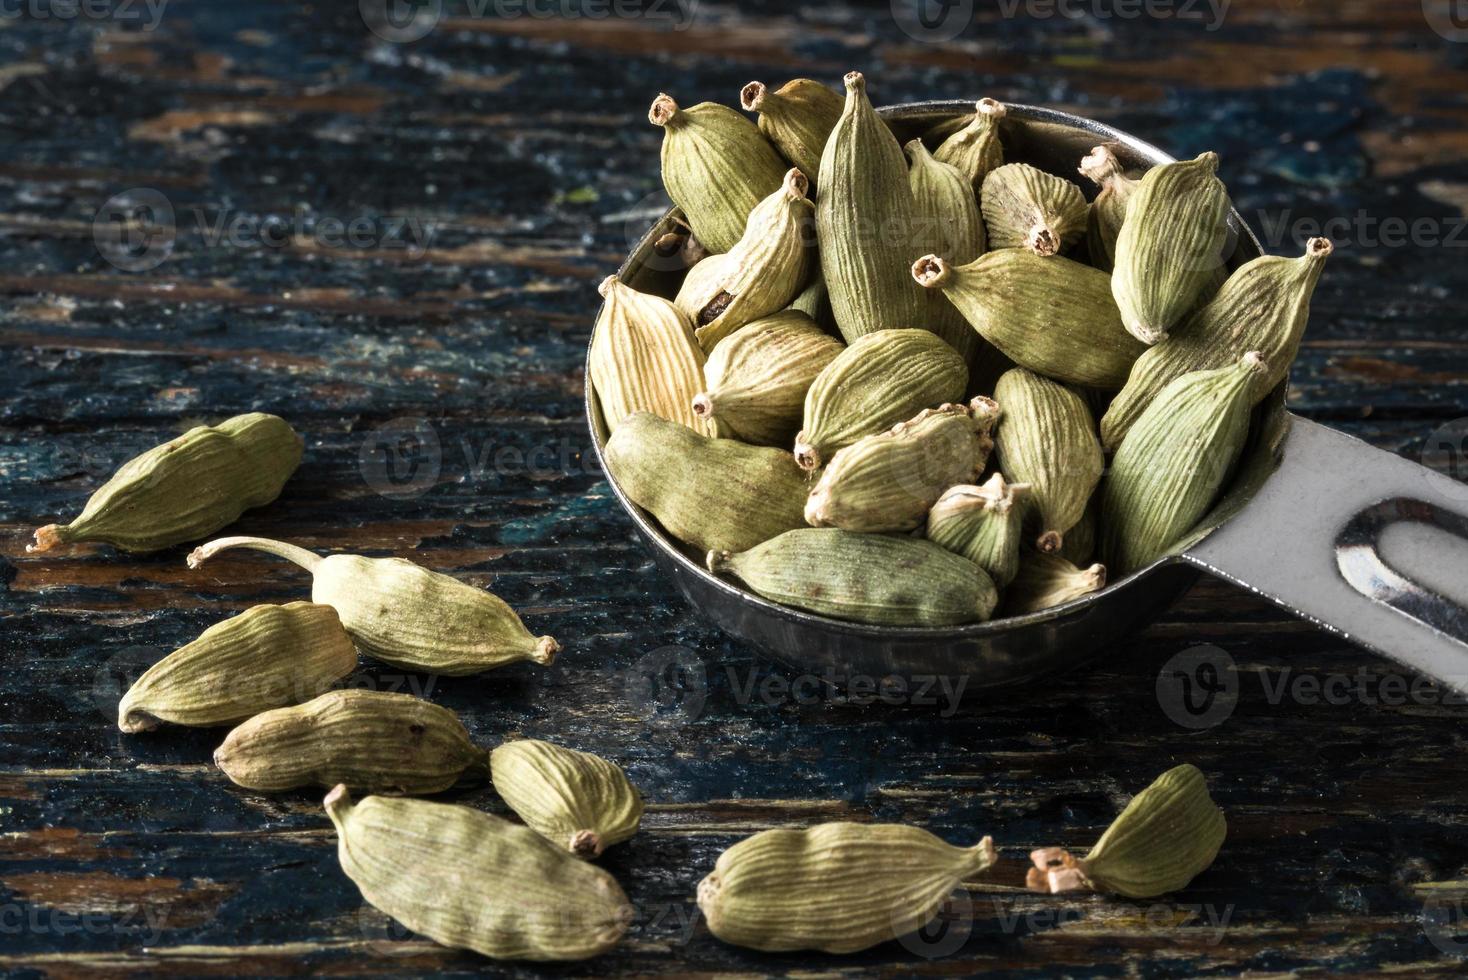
[{"x": 396, "y": 247}]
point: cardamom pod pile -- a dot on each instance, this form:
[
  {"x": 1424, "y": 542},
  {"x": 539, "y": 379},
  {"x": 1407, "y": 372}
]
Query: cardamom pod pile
[{"x": 921, "y": 383}]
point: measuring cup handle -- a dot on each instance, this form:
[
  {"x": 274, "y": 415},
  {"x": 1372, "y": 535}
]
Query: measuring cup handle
[{"x": 1311, "y": 541}]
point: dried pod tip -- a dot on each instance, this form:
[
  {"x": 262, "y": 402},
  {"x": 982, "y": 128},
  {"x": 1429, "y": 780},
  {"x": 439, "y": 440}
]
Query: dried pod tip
[
  {"x": 585, "y": 844},
  {"x": 752, "y": 96},
  {"x": 546, "y": 649},
  {"x": 916, "y": 150},
  {"x": 605, "y": 289},
  {"x": 1148, "y": 335},
  {"x": 717, "y": 561},
  {"x": 1096, "y": 575},
  {"x": 663, "y": 110},
  {"x": 855, "y": 81},
  {"x": 808, "y": 456},
  {"x": 1319, "y": 248},
  {"x": 338, "y": 799},
  {"x": 985, "y": 850},
  {"x": 986, "y": 411},
  {"x": 1050, "y": 542},
  {"x": 703, "y": 405},
  {"x": 930, "y": 271},
  {"x": 1042, "y": 241},
  {"x": 47, "y": 538},
  {"x": 1100, "y": 165},
  {"x": 1254, "y": 361},
  {"x": 1055, "y": 871},
  {"x": 1210, "y": 158},
  {"x": 796, "y": 184},
  {"x": 991, "y": 107},
  {"x": 816, "y": 506}
]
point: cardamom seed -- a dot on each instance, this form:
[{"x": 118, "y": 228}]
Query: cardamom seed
[
  {"x": 1051, "y": 315},
  {"x": 976, "y": 149},
  {"x": 1264, "y": 306},
  {"x": 879, "y": 380},
  {"x": 1047, "y": 439},
  {"x": 265, "y": 657},
  {"x": 1171, "y": 246},
  {"x": 573, "y": 799},
  {"x": 1168, "y": 835},
  {"x": 1169, "y": 468},
  {"x": 1027, "y": 208},
  {"x": 760, "y": 275},
  {"x": 187, "y": 488},
  {"x": 889, "y": 481},
  {"x": 864, "y": 222},
  {"x": 835, "y": 887},
  {"x": 471, "y": 880},
  {"x": 869, "y": 578},
  {"x": 405, "y": 614},
  {"x": 710, "y": 493},
  {"x": 797, "y": 117},
  {"x": 717, "y": 166},
  {"x": 373, "y": 741},
  {"x": 983, "y": 524},
  {"x": 644, "y": 358},
  {"x": 757, "y": 378},
  {"x": 1108, "y": 210},
  {"x": 948, "y": 223},
  {"x": 1046, "y": 580}
]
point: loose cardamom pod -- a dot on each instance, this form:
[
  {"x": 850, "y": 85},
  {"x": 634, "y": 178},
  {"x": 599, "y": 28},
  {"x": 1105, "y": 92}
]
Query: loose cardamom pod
[
  {"x": 1045, "y": 580},
  {"x": 864, "y": 222},
  {"x": 881, "y": 379},
  {"x": 711, "y": 493},
  {"x": 717, "y": 166},
  {"x": 889, "y": 481},
  {"x": 983, "y": 524},
  {"x": 834, "y": 887},
  {"x": 265, "y": 657},
  {"x": 187, "y": 488},
  {"x": 1047, "y": 439},
  {"x": 1171, "y": 246},
  {"x": 814, "y": 302},
  {"x": 405, "y": 614},
  {"x": 1027, "y": 208},
  {"x": 1169, "y": 468},
  {"x": 373, "y": 741},
  {"x": 948, "y": 223},
  {"x": 797, "y": 117},
  {"x": 1108, "y": 210},
  {"x": 1051, "y": 315},
  {"x": 757, "y": 378},
  {"x": 471, "y": 880},
  {"x": 575, "y": 800},
  {"x": 760, "y": 275},
  {"x": 1264, "y": 306},
  {"x": 884, "y": 579},
  {"x": 1168, "y": 835},
  {"x": 975, "y": 149},
  {"x": 644, "y": 357}
]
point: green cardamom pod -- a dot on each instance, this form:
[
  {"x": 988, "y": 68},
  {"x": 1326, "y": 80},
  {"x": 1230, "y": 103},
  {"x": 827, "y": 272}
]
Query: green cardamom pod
[
  {"x": 717, "y": 166},
  {"x": 983, "y": 524},
  {"x": 1047, "y": 439},
  {"x": 835, "y": 887},
  {"x": 881, "y": 379},
  {"x": 760, "y": 275},
  {"x": 797, "y": 117},
  {"x": 889, "y": 481},
  {"x": 1027, "y": 208},
  {"x": 265, "y": 657},
  {"x": 1046, "y": 580},
  {"x": 815, "y": 303},
  {"x": 888, "y": 580},
  {"x": 187, "y": 488},
  {"x": 1079, "y": 546},
  {"x": 946, "y": 214},
  {"x": 1051, "y": 315},
  {"x": 1171, "y": 246},
  {"x": 757, "y": 378},
  {"x": 975, "y": 149},
  {"x": 471, "y": 880},
  {"x": 864, "y": 222},
  {"x": 1169, "y": 468},
  {"x": 573, "y": 799},
  {"x": 373, "y": 741},
  {"x": 711, "y": 493},
  {"x": 644, "y": 358},
  {"x": 1108, "y": 210},
  {"x": 405, "y": 614},
  {"x": 1168, "y": 835},
  {"x": 1264, "y": 306}
]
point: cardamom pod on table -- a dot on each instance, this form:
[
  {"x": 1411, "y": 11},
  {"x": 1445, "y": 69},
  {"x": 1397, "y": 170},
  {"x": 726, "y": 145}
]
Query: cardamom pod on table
[
  {"x": 575, "y": 800},
  {"x": 645, "y": 358},
  {"x": 1027, "y": 208},
  {"x": 797, "y": 117}
]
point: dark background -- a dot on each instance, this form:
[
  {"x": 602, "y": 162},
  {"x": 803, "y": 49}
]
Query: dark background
[{"x": 439, "y": 391}]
